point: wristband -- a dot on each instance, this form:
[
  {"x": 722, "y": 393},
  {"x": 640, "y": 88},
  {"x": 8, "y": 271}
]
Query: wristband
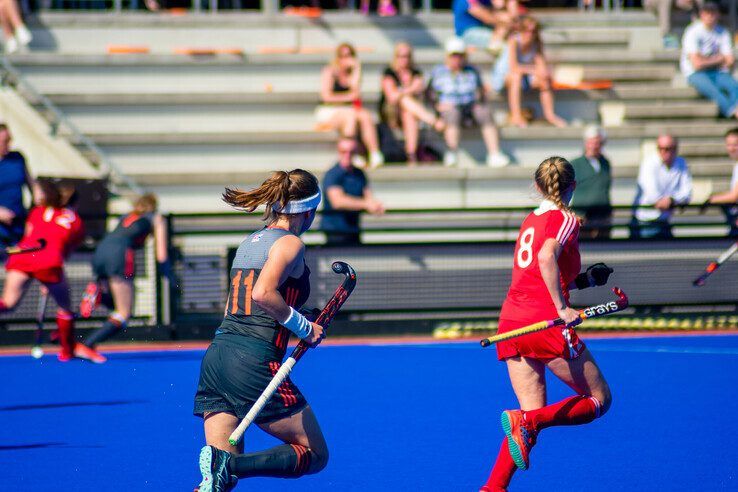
[{"x": 298, "y": 324}]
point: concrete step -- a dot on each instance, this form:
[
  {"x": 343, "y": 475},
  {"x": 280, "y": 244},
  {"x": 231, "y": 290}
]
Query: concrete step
[
  {"x": 717, "y": 169},
  {"x": 651, "y": 91},
  {"x": 201, "y": 162},
  {"x": 633, "y": 91},
  {"x": 632, "y": 131},
  {"x": 250, "y": 31},
  {"x": 610, "y": 50},
  {"x": 549, "y": 17},
  {"x": 260, "y": 117},
  {"x": 615, "y": 113},
  {"x": 276, "y": 78},
  {"x": 703, "y": 148}
]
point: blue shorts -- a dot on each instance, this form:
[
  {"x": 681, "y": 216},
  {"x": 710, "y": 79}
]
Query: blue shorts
[{"x": 477, "y": 36}]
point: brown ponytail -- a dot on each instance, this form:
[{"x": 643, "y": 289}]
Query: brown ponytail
[
  {"x": 51, "y": 194},
  {"x": 145, "y": 204},
  {"x": 554, "y": 176},
  {"x": 280, "y": 188}
]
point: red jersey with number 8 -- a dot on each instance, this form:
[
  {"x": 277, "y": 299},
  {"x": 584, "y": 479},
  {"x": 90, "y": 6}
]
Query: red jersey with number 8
[
  {"x": 60, "y": 227},
  {"x": 528, "y": 299}
]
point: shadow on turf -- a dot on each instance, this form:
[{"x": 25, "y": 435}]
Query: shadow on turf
[
  {"x": 31, "y": 446},
  {"x": 43, "y": 406},
  {"x": 173, "y": 355},
  {"x": 20, "y": 447}
]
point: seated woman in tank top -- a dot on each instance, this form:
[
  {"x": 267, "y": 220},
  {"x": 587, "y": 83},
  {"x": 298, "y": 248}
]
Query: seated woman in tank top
[
  {"x": 521, "y": 67},
  {"x": 400, "y": 106},
  {"x": 341, "y": 108}
]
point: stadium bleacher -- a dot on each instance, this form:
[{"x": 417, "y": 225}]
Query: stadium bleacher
[{"x": 169, "y": 120}]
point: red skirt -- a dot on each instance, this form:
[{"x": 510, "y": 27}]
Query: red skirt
[
  {"x": 29, "y": 265},
  {"x": 551, "y": 343}
]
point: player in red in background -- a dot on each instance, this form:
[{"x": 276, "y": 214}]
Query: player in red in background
[
  {"x": 546, "y": 266},
  {"x": 53, "y": 220}
]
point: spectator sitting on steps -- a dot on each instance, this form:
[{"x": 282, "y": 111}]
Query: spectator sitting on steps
[
  {"x": 707, "y": 59},
  {"x": 15, "y": 31},
  {"x": 591, "y": 198},
  {"x": 341, "y": 108},
  {"x": 459, "y": 95},
  {"x": 729, "y": 199},
  {"x": 664, "y": 181},
  {"x": 399, "y": 105},
  {"x": 347, "y": 194},
  {"x": 521, "y": 67},
  {"x": 484, "y": 23}
]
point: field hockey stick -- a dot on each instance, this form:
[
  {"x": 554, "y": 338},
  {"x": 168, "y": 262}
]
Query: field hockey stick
[
  {"x": 43, "y": 300},
  {"x": 17, "y": 250},
  {"x": 324, "y": 319},
  {"x": 714, "y": 265},
  {"x": 586, "y": 313}
]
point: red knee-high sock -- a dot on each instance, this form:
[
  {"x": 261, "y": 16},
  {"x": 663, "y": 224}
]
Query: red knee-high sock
[
  {"x": 65, "y": 324},
  {"x": 574, "y": 410},
  {"x": 503, "y": 470}
]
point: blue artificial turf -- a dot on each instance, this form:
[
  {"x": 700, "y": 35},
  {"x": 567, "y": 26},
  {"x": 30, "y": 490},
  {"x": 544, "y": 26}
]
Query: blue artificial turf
[{"x": 413, "y": 417}]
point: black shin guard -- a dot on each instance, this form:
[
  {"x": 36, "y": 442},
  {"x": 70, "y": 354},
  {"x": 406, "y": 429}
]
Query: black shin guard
[
  {"x": 285, "y": 461},
  {"x": 108, "y": 329}
]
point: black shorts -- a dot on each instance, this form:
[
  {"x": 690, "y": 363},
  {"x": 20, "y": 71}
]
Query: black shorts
[
  {"x": 234, "y": 372},
  {"x": 114, "y": 260}
]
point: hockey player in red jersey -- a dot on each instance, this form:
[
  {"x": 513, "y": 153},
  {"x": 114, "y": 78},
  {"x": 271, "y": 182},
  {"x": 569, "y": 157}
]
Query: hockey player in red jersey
[
  {"x": 53, "y": 220},
  {"x": 546, "y": 266}
]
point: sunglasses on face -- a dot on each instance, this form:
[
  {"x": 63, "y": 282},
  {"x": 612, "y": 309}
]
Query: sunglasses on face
[{"x": 667, "y": 149}]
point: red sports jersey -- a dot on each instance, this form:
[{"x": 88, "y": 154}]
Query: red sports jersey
[
  {"x": 528, "y": 299},
  {"x": 60, "y": 227}
]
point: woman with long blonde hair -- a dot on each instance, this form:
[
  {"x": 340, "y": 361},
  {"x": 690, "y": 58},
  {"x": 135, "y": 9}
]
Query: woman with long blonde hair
[
  {"x": 546, "y": 266},
  {"x": 523, "y": 66},
  {"x": 341, "y": 107}
]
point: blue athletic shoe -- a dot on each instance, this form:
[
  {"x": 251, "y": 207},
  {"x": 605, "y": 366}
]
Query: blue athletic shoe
[{"x": 214, "y": 470}]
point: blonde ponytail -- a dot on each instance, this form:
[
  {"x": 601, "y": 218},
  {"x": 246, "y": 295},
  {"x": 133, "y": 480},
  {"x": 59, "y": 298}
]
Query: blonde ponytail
[{"x": 554, "y": 176}]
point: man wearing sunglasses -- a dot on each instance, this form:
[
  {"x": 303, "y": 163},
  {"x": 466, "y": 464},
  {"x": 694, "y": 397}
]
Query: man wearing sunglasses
[{"x": 664, "y": 181}]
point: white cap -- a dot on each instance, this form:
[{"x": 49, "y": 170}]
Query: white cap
[
  {"x": 455, "y": 45},
  {"x": 592, "y": 131}
]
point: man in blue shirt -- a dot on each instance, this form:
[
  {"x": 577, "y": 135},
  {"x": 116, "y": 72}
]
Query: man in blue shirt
[
  {"x": 347, "y": 194},
  {"x": 484, "y": 23},
  {"x": 13, "y": 176}
]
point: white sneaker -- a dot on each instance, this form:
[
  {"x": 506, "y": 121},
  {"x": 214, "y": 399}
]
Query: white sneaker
[
  {"x": 11, "y": 46},
  {"x": 23, "y": 35},
  {"x": 450, "y": 158},
  {"x": 497, "y": 160},
  {"x": 376, "y": 159},
  {"x": 358, "y": 160}
]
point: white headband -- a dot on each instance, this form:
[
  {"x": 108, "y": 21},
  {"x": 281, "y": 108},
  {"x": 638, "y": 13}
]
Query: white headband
[{"x": 299, "y": 206}]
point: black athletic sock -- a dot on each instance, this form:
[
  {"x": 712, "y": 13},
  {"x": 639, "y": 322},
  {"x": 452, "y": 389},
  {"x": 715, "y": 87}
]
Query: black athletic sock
[
  {"x": 106, "y": 299},
  {"x": 285, "y": 461},
  {"x": 108, "y": 329}
]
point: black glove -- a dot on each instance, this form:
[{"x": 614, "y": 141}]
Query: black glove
[
  {"x": 597, "y": 274},
  {"x": 165, "y": 270},
  {"x": 310, "y": 313}
]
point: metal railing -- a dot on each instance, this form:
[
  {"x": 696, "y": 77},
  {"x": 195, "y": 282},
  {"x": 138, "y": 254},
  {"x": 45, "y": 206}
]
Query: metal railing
[
  {"x": 11, "y": 77},
  {"x": 419, "y": 225}
]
